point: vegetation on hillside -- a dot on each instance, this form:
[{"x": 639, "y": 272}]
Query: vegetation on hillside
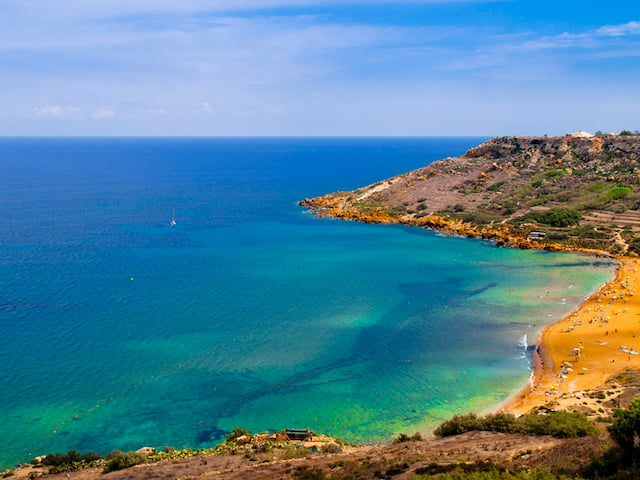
[
  {"x": 581, "y": 191},
  {"x": 559, "y": 424}
]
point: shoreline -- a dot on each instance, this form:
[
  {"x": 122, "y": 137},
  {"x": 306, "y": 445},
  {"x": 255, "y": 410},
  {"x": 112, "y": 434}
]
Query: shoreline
[
  {"x": 584, "y": 350},
  {"x": 591, "y": 366}
]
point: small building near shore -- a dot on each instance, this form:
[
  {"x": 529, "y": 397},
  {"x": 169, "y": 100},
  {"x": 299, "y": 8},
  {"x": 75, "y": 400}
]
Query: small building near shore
[
  {"x": 537, "y": 235},
  {"x": 299, "y": 434}
]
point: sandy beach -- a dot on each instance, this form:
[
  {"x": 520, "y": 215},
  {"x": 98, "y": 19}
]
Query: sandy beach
[{"x": 585, "y": 349}]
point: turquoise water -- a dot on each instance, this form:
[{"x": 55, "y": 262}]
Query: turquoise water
[{"x": 120, "y": 330}]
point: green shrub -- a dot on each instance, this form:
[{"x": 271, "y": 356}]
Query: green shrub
[
  {"x": 555, "y": 217},
  {"x": 625, "y": 429},
  {"x": 330, "y": 448},
  {"x": 69, "y": 458},
  {"x": 533, "y": 424},
  {"x": 462, "y": 473},
  {"x": 499, "y": 422},
  {"x": 119, "y": 461},
  {"x": 559, "y": 424},
  {"x": 495, "y": 186},
  {"x": 479, "y": 218},
  {"x": 458, "y": 424},
  {"x": 287, "y": 452},
  {"x": 72, "y": 460},
  {"x": 306, "y": 473},
  {"x": 403, "y": 437},
  {"x": 570, "y": 425},
  {"x": 634, "y": 246},
  {"x": 618, "y": 192},
  {"x": 237, "y": 433}
]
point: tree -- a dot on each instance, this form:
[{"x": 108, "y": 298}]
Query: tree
[{"x": 625, "y": 430}]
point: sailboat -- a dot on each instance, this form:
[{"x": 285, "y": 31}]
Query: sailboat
[{"x": 173, "y": 217}]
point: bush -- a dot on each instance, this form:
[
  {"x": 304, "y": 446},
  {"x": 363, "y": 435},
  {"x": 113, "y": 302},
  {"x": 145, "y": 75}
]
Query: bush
[
  {"x": 555, "y": 217},
  {"x": 69, "y": 458},
  {"x": 288, "y": 452},
  {"x": 625, "y": 430},
  {"x": 570, "y": 425},
  {"x": 330, "y": 448},
  {"x": 499, "y": 422},
  {"x": 237, "y": 433},
  {"x": 403, "y": 437},
  {"x": 119, "y": 461},
  {"x": 464, "y": 473},
  {"x": 533, "y": 424},
  {"x": 558, "y": 424},
  {"x": 495, "y": 186},
  {"x": 618, "y": 192},
  {"x": 634, "y": 246},
  {"x": 306, "y": 473},
  {"x": 458, "y": 424},
  {"x": 479, "y": 218},
  {"x": 72, "y": 460}
]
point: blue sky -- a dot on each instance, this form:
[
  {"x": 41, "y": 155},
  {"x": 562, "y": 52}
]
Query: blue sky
[{"x": 318, "y": 67}]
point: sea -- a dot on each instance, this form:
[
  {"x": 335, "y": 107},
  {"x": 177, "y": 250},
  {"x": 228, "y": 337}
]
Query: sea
[{"x": 163, "y": 291}]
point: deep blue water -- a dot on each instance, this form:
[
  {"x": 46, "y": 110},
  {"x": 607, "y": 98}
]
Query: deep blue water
[{"x": 119, "y": 330}]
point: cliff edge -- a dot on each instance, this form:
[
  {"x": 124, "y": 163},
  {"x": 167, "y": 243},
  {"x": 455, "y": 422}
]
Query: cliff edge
[{"x": 578, "y": 191}]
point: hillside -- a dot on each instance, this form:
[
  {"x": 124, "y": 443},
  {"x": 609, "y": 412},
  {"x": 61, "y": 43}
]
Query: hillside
[
  {"x": 578, "y": 190},
  {"x": 472, "y": 451}
]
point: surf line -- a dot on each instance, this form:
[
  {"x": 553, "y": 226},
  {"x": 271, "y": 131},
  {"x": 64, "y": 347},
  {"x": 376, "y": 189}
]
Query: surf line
[{"x": 167, "y": 371}]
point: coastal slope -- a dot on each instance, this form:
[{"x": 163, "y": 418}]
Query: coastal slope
[{"x": 578, "y": 191}]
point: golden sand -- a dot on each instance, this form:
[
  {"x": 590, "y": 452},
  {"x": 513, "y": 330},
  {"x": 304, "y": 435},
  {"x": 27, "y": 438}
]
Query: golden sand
[{"x": 582, "y": 351}]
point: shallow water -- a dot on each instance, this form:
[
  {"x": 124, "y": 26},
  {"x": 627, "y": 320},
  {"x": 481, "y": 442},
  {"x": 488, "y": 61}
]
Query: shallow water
[{"x": 121, "y": 331}]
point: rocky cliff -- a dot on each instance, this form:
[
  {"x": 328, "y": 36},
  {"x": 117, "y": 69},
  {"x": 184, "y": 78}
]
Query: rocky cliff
[{"x": 577, "y": 191}]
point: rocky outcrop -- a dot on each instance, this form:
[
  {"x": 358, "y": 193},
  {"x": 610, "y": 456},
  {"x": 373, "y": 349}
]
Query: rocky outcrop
[{"x": 497, "y": 189}]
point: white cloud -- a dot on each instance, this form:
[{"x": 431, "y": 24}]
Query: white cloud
[
  {"x": 102, "y": 113},
  {"x": 599, "y": 38},
  {"x": 152, "y": 64},
  {"x": 630, "y": 28},
  {"x": 57, "y": 111},
  {"x": 157, "y": 111}
]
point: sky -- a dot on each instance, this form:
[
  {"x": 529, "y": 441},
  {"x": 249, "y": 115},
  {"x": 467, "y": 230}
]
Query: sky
[{"x": 318, "y": 67}]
